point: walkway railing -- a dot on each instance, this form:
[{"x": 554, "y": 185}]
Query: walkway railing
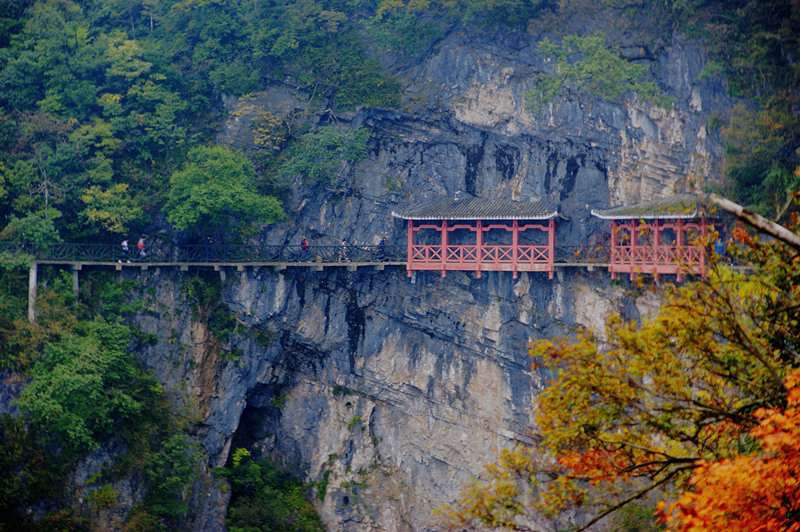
[
  {"x": 72, "y": 252},
  {"x": 217, "y": 253},
  {"x": 242, "y": 254}
]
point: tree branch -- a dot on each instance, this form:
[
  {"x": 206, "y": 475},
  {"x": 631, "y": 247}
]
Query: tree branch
[
  {"x": 771, "y": 228},
  {"x": 633, "y": 497}
]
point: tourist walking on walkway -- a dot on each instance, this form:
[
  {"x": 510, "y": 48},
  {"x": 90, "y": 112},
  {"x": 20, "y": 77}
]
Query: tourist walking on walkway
[
  {"x": 382, "y": 249},
  {"x": 343, "y": 251},
  {"x": 126, "y": 251},
  {"x": 140, "y": 245}
]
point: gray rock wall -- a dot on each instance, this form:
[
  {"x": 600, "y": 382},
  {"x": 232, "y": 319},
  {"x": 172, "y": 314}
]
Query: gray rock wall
[
  {"x": 404, "y": 389},
  {"x": 401, "y": 390}
]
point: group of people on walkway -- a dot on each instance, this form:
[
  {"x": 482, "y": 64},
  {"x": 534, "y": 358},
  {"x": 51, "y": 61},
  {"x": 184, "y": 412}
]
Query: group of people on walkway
[
  {"x": 213, "y": 252},
  {"x": 126, "y": 250}
]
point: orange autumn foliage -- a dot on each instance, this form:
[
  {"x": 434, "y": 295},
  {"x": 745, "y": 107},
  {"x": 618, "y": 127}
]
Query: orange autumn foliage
[{"x": 758, "y": 492}]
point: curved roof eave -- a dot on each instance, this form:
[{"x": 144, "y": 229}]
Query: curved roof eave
[
  {"x": 645, "y": 216},
  {"x": 430, "y": 218},
  {"x": 473, "y": 208}
]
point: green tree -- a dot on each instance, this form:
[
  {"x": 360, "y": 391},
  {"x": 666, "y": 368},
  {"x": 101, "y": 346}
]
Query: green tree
[
  {"x": 36, "y": 231},
  {"x": 266, "y": 498},
  {"x": 761, "y": 145},
  {"x": 113, "y": 208},
  {"x": 216, "y": 188},
  {"x": 318, "y": 157},
  {"x": 174, "y": 467},
  {"x": 87, "y": 387},
  {"x": 585, "y": 65}
]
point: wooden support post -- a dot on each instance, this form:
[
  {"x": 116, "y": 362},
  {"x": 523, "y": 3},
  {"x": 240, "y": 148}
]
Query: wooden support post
[
  {"x": 614, "y": 242},
  {"x": 703, "y": 247},
  {"x": 656, "y": 243},
  {"x": 33, "y": 275},
  {"x": 634, "y": 245},
  {"x": 679, "y": 242},
  {"x": 410, "y": 247},
  {"x": 551, "y": 246},
  {"x": 514, "y": 246},
  {"x": 479, "y": 247},
  {"x": 444, "y": 248}
]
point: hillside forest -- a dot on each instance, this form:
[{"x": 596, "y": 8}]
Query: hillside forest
[{"x": 109, "y": 111}]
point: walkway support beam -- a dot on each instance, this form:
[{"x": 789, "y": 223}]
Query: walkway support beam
[
  {"x": 551, "y": 245},
  {"x": 33, "y": 281},
  {"x": 75, "y": 283}
]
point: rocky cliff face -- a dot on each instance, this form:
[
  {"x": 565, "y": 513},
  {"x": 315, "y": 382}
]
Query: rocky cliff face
[{"x": 402, "y": 389}]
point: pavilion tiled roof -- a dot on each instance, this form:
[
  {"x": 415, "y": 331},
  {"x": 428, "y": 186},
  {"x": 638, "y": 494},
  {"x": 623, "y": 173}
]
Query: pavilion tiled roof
[
  {"x": 471, "y": 208},
  {"x": 680, "y": 206}
]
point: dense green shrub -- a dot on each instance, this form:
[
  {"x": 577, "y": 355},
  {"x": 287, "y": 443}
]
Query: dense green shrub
[
  {"x": 264, "y": 498},
  {"x": 585, "y": 65},
  {"x": 88, "y": 386},
  {"x": 215, "y": 191},
  {"x": 319, "y": 156},
  {"x": 171, "y": 470},
  {"x": 205, "y": 297}
]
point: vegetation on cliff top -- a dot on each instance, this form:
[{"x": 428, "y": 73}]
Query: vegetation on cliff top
[{"x": 101, "y": 102}]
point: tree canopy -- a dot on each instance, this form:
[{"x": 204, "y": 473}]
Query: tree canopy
[
  {"x": 214, "y": 189},
  {"x": 586, "y": 65},
  {"x": 640, "y": 408},
  {"x": 759, "y": 491}
]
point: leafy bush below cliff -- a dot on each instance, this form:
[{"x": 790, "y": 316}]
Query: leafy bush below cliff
[{"x": 266, "y": 498}]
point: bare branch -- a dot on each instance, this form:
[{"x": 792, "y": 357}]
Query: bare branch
[{"x": 756, "y": 220}]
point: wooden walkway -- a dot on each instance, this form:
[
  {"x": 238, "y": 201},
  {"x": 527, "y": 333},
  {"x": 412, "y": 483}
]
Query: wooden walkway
[{"x": 224, "y": 259}]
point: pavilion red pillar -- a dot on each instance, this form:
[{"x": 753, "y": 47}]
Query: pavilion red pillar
[
  {"x": 679, "y": 242},
  {"x": 479, "y": 247},
  {"x": 410, "y": 246},
  {"x": 703, "y": 246},
  {"x": 444, "y": 248},
  {"x": 514, "y": 246},
  {"x": 656, "y": 245},
  {"x": 551, "y": 247},
  {"x": 634, "y": 245},
  {"x": 613, "y": 255}
]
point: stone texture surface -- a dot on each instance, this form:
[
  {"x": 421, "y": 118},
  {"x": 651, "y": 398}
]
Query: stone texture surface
[{"x": 402, "y": 389}]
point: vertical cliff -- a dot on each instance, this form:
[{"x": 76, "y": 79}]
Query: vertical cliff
[{"x": 399, "y": 390}]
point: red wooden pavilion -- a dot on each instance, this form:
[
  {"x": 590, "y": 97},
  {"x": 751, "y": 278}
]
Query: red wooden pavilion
[
  {"x": 500, "y": 241},
  {"x": 665, "y": 236}
]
